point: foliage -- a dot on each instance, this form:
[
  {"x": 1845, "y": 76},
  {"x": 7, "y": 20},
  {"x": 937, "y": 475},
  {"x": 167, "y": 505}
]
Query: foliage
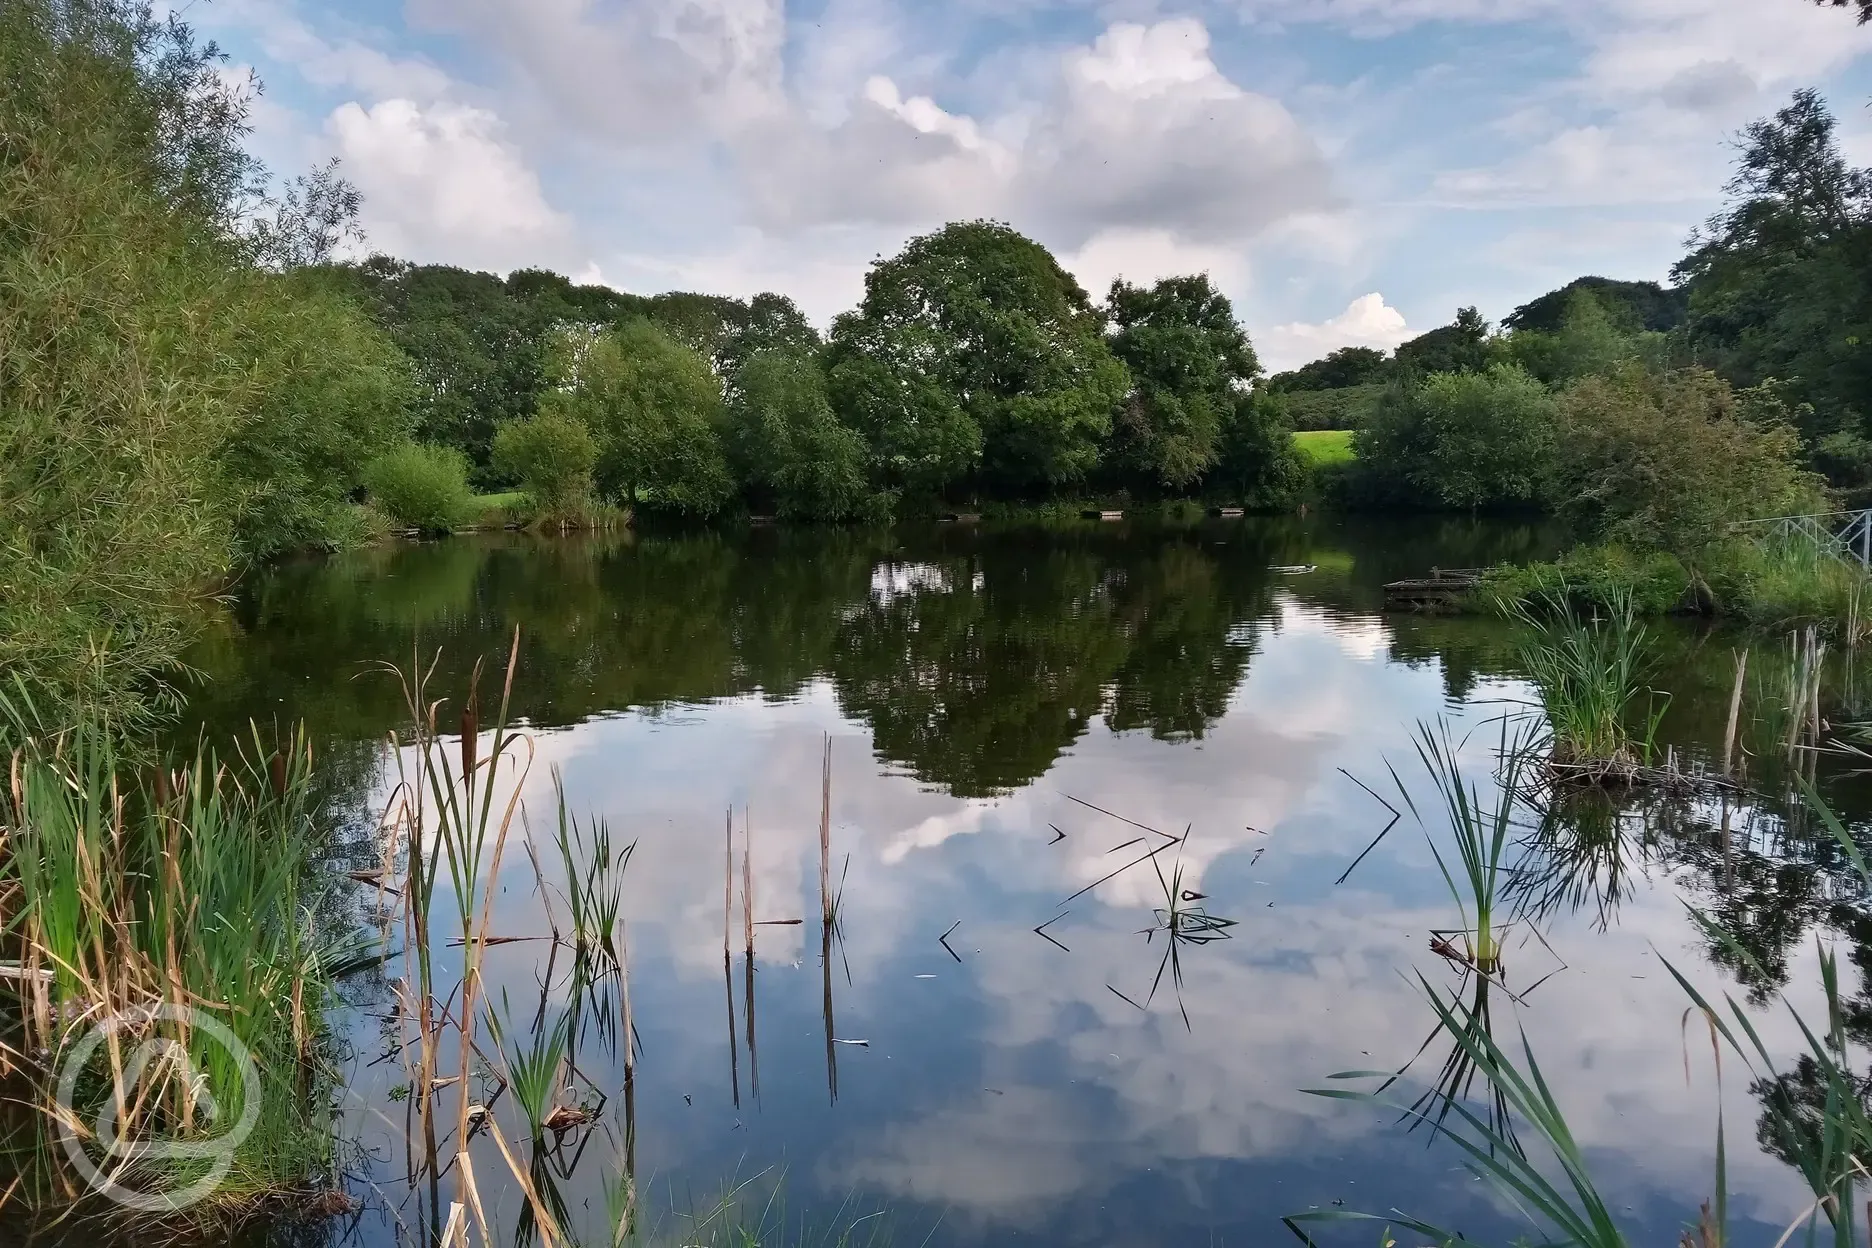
[
  {"x": 1342, "y": 369},
  {"x": 477, "y": 353},
  {"x": 1781, "y": 280},
  {"x": 772, "y": 323},
  {"x": 124, "y": 332},
  {"x": 1258, "y": 464},
  {"x": 1844, "y": 458},
  {"x": 337, "y": 394},
  {"x": 1461, "y": 346},
  {"x": 784, "y": 439},
  {"x": 1478, "y": 439},
  {"x": 1188, "y": 359},
  {"x": 1329, "y": 409},
  {"x": 552, "y": 457},
  {"x": 1669, "y": 461},
  {"x": 1633, "y": 306},
  {"x": 975, "y": 336},
  {"x": 1589, "y": 340},
  {"x": 654, "y": 406},
  {"x": 422, "y": 486}
]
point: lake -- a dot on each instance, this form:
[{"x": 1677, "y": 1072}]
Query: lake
[{"x": 1014, "y": 713}]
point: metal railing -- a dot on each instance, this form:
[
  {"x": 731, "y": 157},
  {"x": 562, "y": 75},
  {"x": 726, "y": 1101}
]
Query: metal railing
[{"x": 1845, "y": 535}]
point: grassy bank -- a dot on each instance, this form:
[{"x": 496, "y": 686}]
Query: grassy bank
[{"x": 1765, "y": 584}]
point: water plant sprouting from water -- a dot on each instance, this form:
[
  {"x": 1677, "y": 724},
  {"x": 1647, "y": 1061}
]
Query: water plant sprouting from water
[
  {"x": 1183, "y": 920},
  {"x": 1590, "y": 675},
  {"x": 1815, "y": 1116}
]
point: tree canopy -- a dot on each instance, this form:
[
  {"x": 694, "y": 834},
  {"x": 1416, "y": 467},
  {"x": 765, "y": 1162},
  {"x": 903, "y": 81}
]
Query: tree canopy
[
  {"x": 1188, "y": 359},
  {"x": 974, "y": 336}
]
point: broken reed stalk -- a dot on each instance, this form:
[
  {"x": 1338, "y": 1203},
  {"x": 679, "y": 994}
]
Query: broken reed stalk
[
  {"x": 825, "y": 834},
  {"x": 630, "y": 1034},
  {"x": 747, "y": 878},
  {"x": 1735, "y": 712}
]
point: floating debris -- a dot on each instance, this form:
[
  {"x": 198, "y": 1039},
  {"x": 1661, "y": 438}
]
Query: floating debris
[{"x": 863, "y": 1044}]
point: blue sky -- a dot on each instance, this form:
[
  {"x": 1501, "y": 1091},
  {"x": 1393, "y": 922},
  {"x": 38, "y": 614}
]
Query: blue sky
[{"x": 1349, "y": 171}]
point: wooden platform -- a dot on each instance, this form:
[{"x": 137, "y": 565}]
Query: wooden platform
[
  {"x": 1092, "y": 513},
  {"x": 1441, "y": 590},
  {"x": 1228, "y": 512}
]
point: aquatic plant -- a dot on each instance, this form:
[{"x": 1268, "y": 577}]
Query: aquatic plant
[
  {"x": 1815, "y": 1116},
  {"x": 1557, "y": 1191},
  {"x": 1482, "y": 834},
  {"x": 1589, "y": 672},
  {"x": 1183, "y": 922},
  {"x": 166, "y": 904}
]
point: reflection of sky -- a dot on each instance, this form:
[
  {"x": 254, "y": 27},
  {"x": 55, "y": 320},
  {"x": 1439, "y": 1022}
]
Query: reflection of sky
[{"x": 1016, "y": 1093}]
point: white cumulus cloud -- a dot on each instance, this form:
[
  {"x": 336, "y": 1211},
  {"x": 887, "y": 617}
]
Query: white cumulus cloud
[
  {"x": 1367, "y": 322},
  {"x": 440, "y": 183}
]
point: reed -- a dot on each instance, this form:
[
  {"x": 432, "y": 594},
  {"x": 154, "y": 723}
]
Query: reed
[
  {"x": 1482, "y": 832},
  {"x": 165, "y": 898},
  {"x": 1590, "y": 675}
]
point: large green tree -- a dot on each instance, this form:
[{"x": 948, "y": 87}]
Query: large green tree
[
  {"x": 479, "y": 353},
  {"x": 1672, "y": 460},
  {"x": 139, "y": 334},
  {"x": 1632, "y": 305},
  {"x": 337, "y": 393},
  {"x": 1346, "y": 367},
  {"x": 1189, "y": 360},
  {"x": 1781, "y": 280},
  {"x": 655, "y": 407},
  {"x": 1463, "y": 346},
  {"x": 976, "y": 335}
]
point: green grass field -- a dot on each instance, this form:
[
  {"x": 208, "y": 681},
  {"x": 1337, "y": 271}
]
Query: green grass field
[
  {"x": 489, "y": 509},
  {"x": 1325, "y": 446}
]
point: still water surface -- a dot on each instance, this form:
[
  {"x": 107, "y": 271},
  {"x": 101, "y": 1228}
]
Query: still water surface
[{"x": 972, "y": 683}]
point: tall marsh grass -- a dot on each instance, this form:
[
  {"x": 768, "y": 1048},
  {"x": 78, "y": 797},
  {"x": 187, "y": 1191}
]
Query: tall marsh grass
[
  {"x": 1590, "y": 672},
  {"x": 151, "y": 901}
]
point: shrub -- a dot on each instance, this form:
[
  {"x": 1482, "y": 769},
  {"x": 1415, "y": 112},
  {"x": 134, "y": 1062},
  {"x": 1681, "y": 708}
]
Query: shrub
[
  {"x": 1651, "y": 582},
  {"x": 552, "y": 456},
  {"x": 1258, "y": 464},
  {"x": 1460, "y": 440},
  {"x": 1671, "y": 461},
  {"x": 422, "y": 486}
]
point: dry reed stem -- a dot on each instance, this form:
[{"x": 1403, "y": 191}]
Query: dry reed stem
[{"x": 1735, "y": 712}]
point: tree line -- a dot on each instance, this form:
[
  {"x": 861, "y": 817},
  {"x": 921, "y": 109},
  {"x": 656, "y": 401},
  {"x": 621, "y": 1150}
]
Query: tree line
[{"x": 975, "y": 368}]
